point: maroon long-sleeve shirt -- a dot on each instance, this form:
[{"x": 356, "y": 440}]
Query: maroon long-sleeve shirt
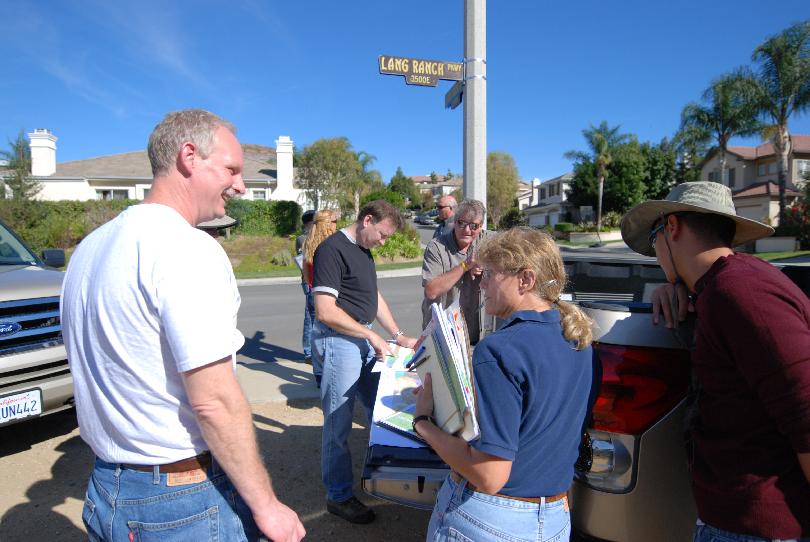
[{"x": 752, "y": 361}]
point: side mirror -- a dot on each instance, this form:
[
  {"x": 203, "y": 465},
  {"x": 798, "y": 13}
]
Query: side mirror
[{"x": 53, "y": 257}]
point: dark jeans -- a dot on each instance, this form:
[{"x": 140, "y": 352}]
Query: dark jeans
[{"x": 309, "y": 318}]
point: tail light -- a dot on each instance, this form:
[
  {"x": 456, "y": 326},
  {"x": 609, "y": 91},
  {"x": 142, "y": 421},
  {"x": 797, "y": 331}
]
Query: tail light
[{"x": 639, "y": 386}]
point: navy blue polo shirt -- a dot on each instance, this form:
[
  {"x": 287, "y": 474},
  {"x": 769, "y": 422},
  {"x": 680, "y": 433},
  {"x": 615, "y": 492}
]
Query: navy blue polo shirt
[{"x": 532, "y": 391}]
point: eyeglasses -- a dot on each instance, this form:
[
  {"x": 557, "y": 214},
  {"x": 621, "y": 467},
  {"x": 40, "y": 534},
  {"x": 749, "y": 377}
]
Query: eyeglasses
[
  {"x": 444, "y": 206},
  {"x": 462, "y": 224},
  {"x": 654, "y": 233}
]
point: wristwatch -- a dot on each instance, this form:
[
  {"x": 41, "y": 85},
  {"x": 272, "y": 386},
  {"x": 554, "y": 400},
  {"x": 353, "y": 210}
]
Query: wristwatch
[
  {"x": 463, "y": 265},
  {"x": 418, "y": 419},
  {"x": 397, "y": 334}
]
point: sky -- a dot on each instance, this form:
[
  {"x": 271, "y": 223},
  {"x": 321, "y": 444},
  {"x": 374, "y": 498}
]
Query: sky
[{"x": 101, "y": 74}]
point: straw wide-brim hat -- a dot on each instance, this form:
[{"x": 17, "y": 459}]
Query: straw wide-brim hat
[{"x": 696, "y": 197}]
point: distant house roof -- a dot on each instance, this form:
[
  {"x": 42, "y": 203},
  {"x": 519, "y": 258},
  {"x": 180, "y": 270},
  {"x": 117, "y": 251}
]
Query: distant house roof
[
  {"x": 259, "y": 165},
  {"x": 565, "y": 177},
  {"x": 801, "y": 144},
  {"x": 766, "y": 188},
  {"x": 422, "y": 179}
]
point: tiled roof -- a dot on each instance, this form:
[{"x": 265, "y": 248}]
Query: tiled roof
[
  {"x": 801, "y": 144},
  {"x": 259, "y": 164},
  {"x": 766, "y": 188},
  {"x": 422, "y": 179}
]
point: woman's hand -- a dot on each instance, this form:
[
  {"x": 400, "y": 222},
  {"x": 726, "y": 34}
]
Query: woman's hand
[{"x": 424, "y": 398}]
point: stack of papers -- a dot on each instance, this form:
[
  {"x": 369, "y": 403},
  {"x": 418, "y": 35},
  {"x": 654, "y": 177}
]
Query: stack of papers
[{"x": 450, "y": 366}]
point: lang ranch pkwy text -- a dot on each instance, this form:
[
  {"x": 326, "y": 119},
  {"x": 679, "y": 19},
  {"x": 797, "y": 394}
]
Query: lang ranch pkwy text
[{"x": 422, "y": 72}]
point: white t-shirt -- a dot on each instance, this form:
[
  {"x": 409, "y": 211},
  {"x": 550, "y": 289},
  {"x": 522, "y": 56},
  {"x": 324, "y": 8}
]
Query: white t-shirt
[{"x": 146, "y": 297}]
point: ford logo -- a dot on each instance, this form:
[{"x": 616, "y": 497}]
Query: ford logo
[{"x": 7, "y": 329}]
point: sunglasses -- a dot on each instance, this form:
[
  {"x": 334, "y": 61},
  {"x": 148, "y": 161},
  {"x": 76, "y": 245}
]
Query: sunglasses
[
  {"x": 444, "y": 206},
  {"x": 654, "y": 233},
  {"x": 462, "y": 224}
]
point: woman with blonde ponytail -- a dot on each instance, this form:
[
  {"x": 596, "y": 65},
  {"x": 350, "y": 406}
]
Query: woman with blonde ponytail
[
  {"x": 532, "y": 381},
  {"x": 323, "y": 225}
]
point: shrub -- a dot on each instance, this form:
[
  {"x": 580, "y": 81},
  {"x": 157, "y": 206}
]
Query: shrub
[
  {"x": 400, "y": 245},
  {"x": 564, "y": 227},
  {"x": 611, "y": 219},
  {"x": 797, "y": 223},
  {"x": 264, "y": 217},
  {"x": 282, "y": 258},
  {"x": 513, "y": 217}
]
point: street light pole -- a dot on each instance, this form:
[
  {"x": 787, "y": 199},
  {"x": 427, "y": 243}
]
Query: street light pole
[{"x": 475, "y": 100}]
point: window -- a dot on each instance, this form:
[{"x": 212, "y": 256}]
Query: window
[
  {"x": 761, "y": 170},
  {"x": 111, "y": 194},
  {"x": 803, "y": 167},
  {"x": 772, "y": 167},
  {"x": 542, "y": 193},
  {"x": 732, "y": 177},
  {"x": 712, "y": 176},
  {"x": 259, "y": 194}
]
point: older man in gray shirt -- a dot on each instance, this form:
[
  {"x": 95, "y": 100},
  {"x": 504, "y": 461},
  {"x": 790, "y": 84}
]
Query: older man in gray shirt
[{"x": 450, "y": 272}]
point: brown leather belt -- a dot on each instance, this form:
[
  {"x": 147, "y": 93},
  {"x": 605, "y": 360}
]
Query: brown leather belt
[
  {"x": 202, "y": 461},
  {"x": 457, "y": 478}
]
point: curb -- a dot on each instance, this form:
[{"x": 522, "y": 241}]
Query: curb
[{"x": 271, "y": 281}]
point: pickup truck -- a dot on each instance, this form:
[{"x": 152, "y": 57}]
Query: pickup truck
[
  {"x": 34, "y": 374},
  {"x": 631, "y": 482}
]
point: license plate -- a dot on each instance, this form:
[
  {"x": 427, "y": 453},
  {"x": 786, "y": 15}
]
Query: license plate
[{"x": 20, "y": 405}]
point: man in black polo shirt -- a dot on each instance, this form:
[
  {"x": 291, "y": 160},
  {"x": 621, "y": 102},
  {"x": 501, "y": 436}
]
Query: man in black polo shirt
[{"x": 346, "y": 304}]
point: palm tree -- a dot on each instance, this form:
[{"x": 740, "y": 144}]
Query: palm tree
[
  {"x": 364, "y": 179},
  {"x": 783, "y": 88},
  {"x": 728, "y": 111},
  {"x": 602, "y": 140}
]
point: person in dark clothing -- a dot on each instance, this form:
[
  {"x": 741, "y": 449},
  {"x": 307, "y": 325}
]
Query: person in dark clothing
[
  {"x": 307, "y": 219},
  {"x": 751, "y": 433}
]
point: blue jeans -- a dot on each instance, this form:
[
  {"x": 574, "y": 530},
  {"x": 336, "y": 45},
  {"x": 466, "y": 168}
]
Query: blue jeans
[
  {"x": 129, "y": 505},
  {"x": 707, "y": 533},
  {"x": 347, "y": 363},
  {"x": 309, "y": 318},
  {"x": 462, "y": 514}
]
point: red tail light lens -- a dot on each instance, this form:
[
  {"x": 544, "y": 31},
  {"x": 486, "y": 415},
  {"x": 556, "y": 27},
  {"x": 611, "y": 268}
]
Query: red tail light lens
[{"x": 639, "y": 386}]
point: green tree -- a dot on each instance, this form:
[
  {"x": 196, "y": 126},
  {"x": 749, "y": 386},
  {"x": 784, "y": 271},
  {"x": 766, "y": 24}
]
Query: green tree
[
  {"x": 366, "y": 180},
  {"x": 502, "y": 184},
  {"x": 727, "y": 111},
  {"x": 394, "y": 198},
  {"x": 17, "y": 177},
  {"x": 433, "y": 177},
  {"x": 449, "y": 175},
  {"x": 328, "y": 168},
  {"x": 782, "y": 88},
  {"x": 405, "y": 187},
  {"x": 661, "y": 169},
  {"x": 628, "y": 174},
  {"x": 601, "y": 140},
  {"x": 691, "y": 146}
]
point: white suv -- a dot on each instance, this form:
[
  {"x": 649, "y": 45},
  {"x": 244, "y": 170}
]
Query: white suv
[{"x": 34, "y": 374}]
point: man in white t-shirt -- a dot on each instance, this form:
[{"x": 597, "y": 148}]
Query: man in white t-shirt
[{"x": 149, "y": 307}]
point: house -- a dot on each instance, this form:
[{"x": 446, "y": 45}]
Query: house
[
  {"x": 442, "y": 186},
  {"x": 268, "y": 173},
  {"x": 526, "y": 195},
  {"x": 552, "y": 202},
  {"x": 751, "y": 173}
]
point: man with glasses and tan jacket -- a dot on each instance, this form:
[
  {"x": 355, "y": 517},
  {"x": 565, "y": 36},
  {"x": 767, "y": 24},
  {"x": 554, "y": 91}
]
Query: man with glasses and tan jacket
[{"x": 449, "y": 270}]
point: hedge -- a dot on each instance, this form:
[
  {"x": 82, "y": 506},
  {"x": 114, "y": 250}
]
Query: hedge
[{"x": 62, "y": 224}]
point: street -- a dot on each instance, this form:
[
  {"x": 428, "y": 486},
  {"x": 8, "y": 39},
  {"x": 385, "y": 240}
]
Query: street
[{"x": 44, "y": 464}]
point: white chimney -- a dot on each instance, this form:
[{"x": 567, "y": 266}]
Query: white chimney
[
  {"x": 43, "y": 152},
  {"x": 284, "y": 168}
]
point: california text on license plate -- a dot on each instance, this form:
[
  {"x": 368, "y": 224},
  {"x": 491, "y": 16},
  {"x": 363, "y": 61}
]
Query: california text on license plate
[{"x": 20, "y": 405}]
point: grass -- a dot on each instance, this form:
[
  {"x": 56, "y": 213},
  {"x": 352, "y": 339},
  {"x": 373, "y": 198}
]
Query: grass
[
  {"x": 771, "y": 256},
  {"x": 252, "y": 257}
]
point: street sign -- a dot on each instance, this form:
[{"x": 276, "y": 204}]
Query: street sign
[
  {"x": 453, "y": 97},
  {"x": 421, "y": 72}
]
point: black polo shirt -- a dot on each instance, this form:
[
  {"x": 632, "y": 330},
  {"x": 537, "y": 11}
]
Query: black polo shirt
[{"x": 346, "y": 270}]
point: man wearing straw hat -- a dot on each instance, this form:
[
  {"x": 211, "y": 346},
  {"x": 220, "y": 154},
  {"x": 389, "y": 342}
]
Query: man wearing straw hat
[{"x": 750, "y": 449}]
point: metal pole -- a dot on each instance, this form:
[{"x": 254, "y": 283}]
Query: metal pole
[{"x": 475, "y": 100}]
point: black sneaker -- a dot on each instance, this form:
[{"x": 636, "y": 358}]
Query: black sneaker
[{"x": 351, "y": 510}]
